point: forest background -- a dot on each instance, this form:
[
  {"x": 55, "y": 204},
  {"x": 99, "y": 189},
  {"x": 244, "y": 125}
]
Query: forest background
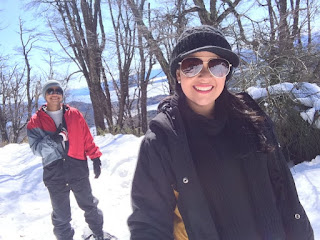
[{"x": 118, "y": 44}]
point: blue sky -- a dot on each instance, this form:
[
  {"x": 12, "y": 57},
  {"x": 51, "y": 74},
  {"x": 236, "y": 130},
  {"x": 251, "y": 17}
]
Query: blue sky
[{"x": 10, "y": 12}]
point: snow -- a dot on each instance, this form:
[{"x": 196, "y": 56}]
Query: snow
[
  {"x": 308, "y": 94},
  {"x": 299, "y": 90},
  {"x": 25, "y": 204}
]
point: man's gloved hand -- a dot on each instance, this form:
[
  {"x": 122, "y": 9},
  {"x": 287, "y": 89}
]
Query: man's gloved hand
[
  {"x": 60, "y": 135},
  {"x": 96, "y": 167},
  {"x": 64, "y": 134},
  {"x": 56, "y": 137}
]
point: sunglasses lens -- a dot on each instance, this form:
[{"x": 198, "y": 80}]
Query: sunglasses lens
[
  {"x": 191, "y": 66},
  {"x": 219, "y": 67},
  {"x": 57, "y": 91}
]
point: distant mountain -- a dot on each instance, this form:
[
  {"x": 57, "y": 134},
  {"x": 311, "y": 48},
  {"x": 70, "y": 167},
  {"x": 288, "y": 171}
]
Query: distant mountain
[
  {"x": 87, "y": 110},
  {"x": 156, "y": 74},
  {"x": 157, "y": 90}
]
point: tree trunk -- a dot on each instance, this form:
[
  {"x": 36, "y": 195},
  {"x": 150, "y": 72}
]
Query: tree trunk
[
  {"x": 285, "y": 42},
  {"x": 154, "y": 46},
  {"x": 81, "y": 25},
  {"x": 309, "y": 25},
  {"x": 107, "y": 103},
  {"x": 26, "y": 48},
  {"x": 3, "y": 127},
  {"x": 96, "y": 96}
]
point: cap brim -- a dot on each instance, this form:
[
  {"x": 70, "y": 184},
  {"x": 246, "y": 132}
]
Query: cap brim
[{"x": 221, "y": 52}]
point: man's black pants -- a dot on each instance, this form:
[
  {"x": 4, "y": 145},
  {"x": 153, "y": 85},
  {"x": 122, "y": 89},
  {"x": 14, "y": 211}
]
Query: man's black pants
[{"x": 61, "y": 214}]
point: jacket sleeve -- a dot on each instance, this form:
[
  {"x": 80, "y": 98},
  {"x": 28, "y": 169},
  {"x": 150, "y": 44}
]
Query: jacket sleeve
[
  {"x": 152, "y": 195},
  {"x": 295, "y": 220},
  {"x": 91, "y": 149},
  {"x": 40, "y": 143}
]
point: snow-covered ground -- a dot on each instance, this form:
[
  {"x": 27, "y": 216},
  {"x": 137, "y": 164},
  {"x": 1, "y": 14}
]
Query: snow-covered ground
[{"x": 25, "y": 204}]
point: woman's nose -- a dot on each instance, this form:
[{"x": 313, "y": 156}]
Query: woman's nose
[{"x": 205, "y": 70}]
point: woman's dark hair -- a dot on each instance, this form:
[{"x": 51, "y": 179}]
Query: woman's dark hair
[
  {"x": 246, "y": 110},
  {"x": 243, "y": 108}
]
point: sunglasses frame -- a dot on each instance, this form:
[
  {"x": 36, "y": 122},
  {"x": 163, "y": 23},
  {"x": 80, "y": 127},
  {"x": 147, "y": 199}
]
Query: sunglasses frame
[
  {"x": 57, "y": 91},
  {"x": 229, "y": 64}
]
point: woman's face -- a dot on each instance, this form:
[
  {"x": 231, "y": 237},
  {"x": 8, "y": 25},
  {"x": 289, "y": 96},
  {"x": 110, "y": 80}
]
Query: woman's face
[{"x": 203, "y": 89}]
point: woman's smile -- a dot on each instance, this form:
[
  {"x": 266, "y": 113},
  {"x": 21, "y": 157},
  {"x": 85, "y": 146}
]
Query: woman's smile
[{"x": 203, "y": 88}]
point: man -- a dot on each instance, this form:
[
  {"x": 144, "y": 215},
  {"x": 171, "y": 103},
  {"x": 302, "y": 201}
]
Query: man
[{"x": 60, "y": 135}]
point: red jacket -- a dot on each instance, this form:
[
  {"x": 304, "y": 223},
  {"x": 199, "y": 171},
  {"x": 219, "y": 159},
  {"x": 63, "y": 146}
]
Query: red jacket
[{"x": 81, "y": 143}]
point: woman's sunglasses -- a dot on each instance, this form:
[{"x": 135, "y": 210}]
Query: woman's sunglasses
[
  {"x": 52, "y": 91},
  {"x": 218, "y": 67}
]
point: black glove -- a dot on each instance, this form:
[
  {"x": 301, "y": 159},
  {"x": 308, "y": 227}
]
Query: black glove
[
  {"x": 56, "y": 137},
  {"x": 96, "y": 167}
]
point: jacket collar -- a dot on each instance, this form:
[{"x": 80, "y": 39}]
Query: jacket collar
[{"x": 65, "y": 107}]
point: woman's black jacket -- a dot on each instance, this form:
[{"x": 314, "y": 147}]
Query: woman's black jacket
[{"x": 165, "y": 164}]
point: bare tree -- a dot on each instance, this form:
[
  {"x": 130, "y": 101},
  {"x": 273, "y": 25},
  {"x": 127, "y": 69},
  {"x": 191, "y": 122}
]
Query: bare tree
[
  {"x": 144, "y": 72},
  {"x": 124, "y": 33},
  {"x": 3, "y": 106},
  {"x": 219, "y": 11},
  {"x": 80, "y": 32},
  {"x": 280, "y": 54},
  {"x": 282, "y": 45},
  {"x": 36, "y": 93},
  {"x": 152, "y": 42},
  {"x": 16, "y": 106},
  {"x": 26, "y": 47},
  {"x": 313, "y": 7},
  {"x": 13, "y": 114}
]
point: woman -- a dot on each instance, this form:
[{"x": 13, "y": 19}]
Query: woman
[{"x": 210, "y": 166}]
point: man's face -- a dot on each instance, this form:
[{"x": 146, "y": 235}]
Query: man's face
[{"x": 54, "y": 97}]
